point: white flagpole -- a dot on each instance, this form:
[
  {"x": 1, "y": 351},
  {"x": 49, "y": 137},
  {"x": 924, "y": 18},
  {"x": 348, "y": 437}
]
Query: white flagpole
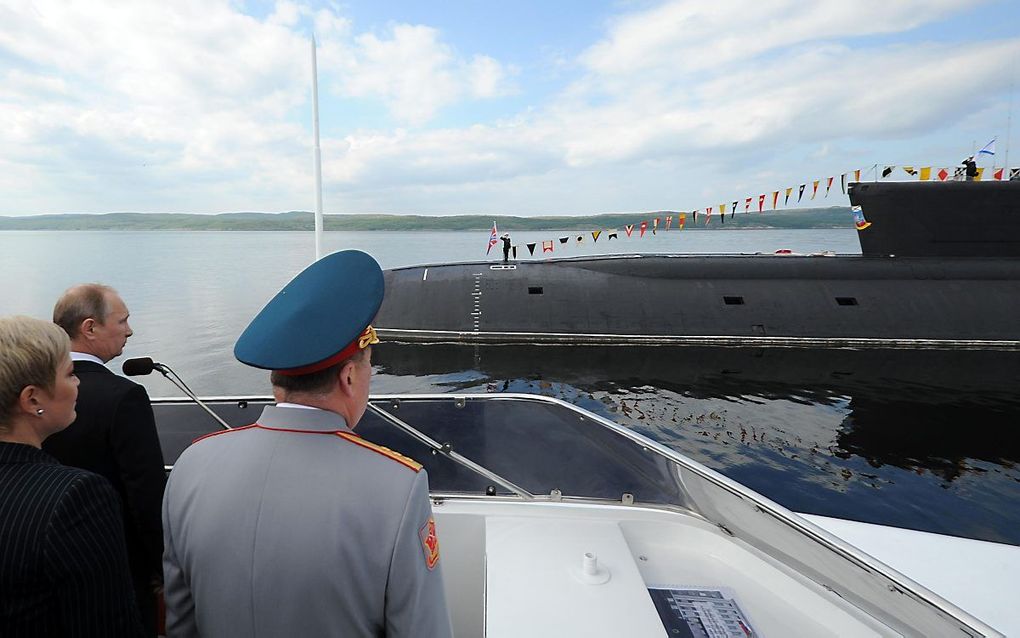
[
  {"x": 1009, "y": 126},
  {"x": 1009, "y": 118},
  {"x": 318, "y": 156}
]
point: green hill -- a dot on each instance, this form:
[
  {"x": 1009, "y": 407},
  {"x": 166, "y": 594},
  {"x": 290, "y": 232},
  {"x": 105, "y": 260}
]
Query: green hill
[{"x": 832, "y": 217}]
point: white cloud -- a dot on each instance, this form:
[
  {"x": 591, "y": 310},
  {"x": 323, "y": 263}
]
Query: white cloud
[
  {"x": 412, "y": 71},
  {"x": 696, "y": 75},
  {"x": 453, "y": 156},
  {"x": 691, "y": 34},
  {"x": 194, "y": 106},
  {"x": 794, "y": 88},
  {"x": 144, "y": 72},
  {"x": 194, "y": 94},
  {"x": 286, "y": 13},
  {"x": 27, "y": 88},
  {"x": 487, "y": 77}
]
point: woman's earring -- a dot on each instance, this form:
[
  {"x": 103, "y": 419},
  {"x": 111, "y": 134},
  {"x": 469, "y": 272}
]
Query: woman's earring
[{"x": 40, "y": 411}]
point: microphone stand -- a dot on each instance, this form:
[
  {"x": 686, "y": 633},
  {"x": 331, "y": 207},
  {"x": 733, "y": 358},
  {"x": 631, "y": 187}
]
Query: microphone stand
[{"x": 173, "y": 378}]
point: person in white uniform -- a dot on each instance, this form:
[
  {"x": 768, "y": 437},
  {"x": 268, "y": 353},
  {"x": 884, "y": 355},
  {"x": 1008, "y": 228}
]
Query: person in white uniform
[{"x": 294, "y": 525}]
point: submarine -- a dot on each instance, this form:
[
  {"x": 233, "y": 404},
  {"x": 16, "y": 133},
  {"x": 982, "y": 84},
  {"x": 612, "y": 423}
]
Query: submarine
[{"x": 939, "y": 267}]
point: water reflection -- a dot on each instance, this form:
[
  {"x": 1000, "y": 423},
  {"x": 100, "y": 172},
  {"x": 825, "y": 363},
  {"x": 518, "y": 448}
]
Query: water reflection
[
  {"x": 947, "y": 440},
  {"x": 920, "y": 439}
]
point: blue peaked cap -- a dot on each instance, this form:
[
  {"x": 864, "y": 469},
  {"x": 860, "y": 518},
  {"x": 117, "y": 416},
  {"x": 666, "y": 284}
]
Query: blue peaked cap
[{"x": 322, "y": 311}]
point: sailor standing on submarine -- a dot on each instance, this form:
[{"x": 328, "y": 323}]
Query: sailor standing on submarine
[{"x": 294, "y": 525}]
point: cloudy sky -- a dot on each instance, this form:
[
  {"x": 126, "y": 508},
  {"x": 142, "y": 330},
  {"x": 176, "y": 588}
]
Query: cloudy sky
[{"x": 467, "y": 106}]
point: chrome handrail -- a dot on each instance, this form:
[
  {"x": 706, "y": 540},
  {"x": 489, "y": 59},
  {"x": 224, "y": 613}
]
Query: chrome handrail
[{"x": 447, "y": 450}]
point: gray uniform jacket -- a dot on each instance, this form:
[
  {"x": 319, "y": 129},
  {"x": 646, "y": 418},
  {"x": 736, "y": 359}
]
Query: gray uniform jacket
[{"x": 294, "y": 526}]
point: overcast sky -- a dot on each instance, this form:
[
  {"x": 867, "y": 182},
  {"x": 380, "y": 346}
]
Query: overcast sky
[{"x": 470, "y": 106}]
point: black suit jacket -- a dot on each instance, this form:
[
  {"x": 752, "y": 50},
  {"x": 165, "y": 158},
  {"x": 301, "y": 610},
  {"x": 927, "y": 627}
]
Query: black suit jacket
[
  {"x": 115, "y": 436},
  {"x": 63, "y": 569}
]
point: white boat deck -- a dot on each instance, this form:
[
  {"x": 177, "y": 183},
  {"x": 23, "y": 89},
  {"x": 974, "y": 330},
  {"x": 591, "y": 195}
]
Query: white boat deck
[
  {"x": 514, "y": 569},
  {"x": 979, "y": 577}
]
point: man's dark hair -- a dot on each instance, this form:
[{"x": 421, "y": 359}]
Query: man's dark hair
[{"x": 313, "y": 383}]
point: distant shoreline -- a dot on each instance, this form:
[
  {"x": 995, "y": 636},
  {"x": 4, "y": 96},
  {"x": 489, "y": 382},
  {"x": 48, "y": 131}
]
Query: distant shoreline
[{"x": 807, "y": 218}]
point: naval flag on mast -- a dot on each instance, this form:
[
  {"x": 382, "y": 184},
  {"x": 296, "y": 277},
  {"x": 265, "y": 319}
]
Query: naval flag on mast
[
  {"x": 988, "y": 149},
  {"x": 492, "y": 238}
]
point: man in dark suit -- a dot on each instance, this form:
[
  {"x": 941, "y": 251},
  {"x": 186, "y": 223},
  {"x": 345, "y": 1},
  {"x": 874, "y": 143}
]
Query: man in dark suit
[{"x": 114, "y": 434}]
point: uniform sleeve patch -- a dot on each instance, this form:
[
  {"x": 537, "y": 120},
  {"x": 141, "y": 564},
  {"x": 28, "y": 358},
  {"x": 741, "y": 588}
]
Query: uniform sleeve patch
[{"x": 429, "y": 542}]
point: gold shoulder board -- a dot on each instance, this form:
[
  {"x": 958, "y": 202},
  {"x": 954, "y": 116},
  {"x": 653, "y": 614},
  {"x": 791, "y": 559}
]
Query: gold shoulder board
[{"x": 385, "y": 451}]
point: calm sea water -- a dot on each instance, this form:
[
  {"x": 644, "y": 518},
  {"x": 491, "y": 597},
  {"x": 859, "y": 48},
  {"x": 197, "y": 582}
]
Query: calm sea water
[{"x": 926, "y": 440}]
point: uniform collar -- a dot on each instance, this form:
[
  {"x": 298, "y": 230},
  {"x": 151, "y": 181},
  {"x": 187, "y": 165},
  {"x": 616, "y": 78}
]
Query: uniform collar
[
  {"x": 284, "y": 404},
  {"x": 23, "y": 453},
  {"x": 84, "y": 356},
  {"x": 304, "y": 418}
]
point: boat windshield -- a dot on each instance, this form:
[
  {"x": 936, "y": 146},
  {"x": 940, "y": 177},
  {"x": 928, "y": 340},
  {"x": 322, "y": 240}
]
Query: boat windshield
[
  {"x": 537, "y": 444},
  {"x": 492, "y": 444}
]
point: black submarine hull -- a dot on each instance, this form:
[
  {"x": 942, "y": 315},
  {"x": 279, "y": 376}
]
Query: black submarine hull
[
  {"x": 925, "y": 291},
  {"x": 709, "y": 299}
]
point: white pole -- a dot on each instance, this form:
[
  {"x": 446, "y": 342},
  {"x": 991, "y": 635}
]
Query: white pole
[
  {"x": 318, "y": 156},
  {"x": 1009, "y": 118},
  {"x": 1009, "y": 126}
]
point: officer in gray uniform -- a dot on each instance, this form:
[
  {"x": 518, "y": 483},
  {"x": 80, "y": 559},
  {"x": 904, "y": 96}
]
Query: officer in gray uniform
[{"x": 294, "y": 525}]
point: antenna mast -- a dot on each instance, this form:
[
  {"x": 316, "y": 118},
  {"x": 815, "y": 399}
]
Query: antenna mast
[
  {"x": 1009, "y": 117},
  {"x": 318, "y": 156}
]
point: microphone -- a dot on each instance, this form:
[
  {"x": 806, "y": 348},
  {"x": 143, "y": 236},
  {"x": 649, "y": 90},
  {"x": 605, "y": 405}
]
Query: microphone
[
  {"x": 138, "y": 367},
  {"x": 141, "y": 366}
]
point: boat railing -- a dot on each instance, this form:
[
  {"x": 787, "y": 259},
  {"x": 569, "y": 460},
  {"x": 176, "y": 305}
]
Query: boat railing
[{"x": 446, "y": 449}]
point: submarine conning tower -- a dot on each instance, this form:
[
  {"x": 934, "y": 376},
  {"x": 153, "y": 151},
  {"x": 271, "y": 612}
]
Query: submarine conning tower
[{"x": 939, "y": 219}]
